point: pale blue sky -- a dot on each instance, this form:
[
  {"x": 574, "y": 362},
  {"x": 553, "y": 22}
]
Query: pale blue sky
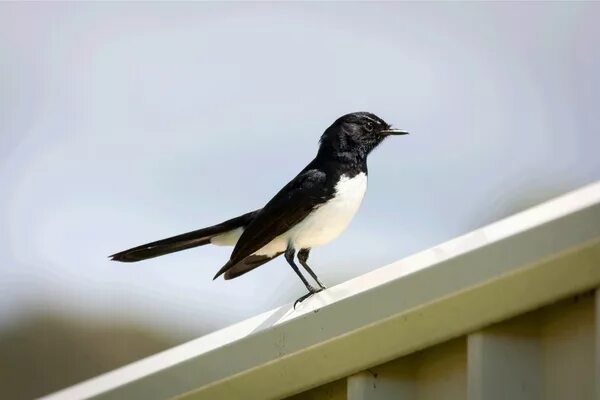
[{"x": 125, "y": 123}]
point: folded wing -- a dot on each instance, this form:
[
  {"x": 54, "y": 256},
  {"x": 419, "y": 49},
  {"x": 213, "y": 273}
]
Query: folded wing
[{"x": 289, "y": 206}]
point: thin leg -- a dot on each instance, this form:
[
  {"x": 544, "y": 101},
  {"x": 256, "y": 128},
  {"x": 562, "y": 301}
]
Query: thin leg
[
  {"x": 303, "y": 258},
  {"x": 289, "y": 256}
]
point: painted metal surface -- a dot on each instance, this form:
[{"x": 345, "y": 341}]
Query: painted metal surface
[{"x": 513, "y": 266}]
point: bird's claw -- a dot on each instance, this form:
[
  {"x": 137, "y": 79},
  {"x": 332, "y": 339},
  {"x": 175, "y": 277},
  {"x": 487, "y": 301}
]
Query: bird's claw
[{"x": 311, "y": 291}]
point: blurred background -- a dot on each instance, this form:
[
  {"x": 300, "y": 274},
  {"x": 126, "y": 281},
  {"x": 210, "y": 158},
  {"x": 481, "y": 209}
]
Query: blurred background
[{"x": 126, "y": 123}]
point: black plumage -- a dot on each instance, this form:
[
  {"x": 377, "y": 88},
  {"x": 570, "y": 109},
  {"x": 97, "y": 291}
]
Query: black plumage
[
  {"x": 184, "y": 241},
  {"x": 342, "y": 154}
]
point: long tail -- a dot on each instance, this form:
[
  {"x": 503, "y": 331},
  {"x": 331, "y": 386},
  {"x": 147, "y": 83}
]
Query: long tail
[{"x": 184, "y": 241}]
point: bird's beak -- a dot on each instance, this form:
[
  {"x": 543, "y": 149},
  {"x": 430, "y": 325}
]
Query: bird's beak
[{"x": 394, "y": 132}]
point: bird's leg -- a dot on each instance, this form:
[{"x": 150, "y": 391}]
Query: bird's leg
[
  {"x": 289, "y": 256},
  {"x": 303, "y": 258}
]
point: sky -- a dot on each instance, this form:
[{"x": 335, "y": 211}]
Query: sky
[{"x": 123, "y": 123}]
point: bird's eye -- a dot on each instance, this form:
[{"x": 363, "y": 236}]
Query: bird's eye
[{"x": 369, "y": 126}]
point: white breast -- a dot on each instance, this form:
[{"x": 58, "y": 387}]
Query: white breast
[
  {"x": 321, "y": 226},
  {"x": 327, "y": 221}
]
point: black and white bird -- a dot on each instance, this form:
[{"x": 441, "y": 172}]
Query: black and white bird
[{"x": 311, "y": 210}]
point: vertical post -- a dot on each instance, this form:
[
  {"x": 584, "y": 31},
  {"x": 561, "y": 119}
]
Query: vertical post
[
  {"x": 597, "y": 342},
  {"x": 394, "y": 380},
  {"x": 504, "y": 362}
]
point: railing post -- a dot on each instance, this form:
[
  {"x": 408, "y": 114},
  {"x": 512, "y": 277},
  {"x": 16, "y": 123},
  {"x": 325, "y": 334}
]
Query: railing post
[
  {"x": 393, "y": 381},
  {"x": 504, "y": 362},
  {"x": 597, "y": 341}
]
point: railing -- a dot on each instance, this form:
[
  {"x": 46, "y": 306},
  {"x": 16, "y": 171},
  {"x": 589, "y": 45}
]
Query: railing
[{"x": 476, "y": 317}]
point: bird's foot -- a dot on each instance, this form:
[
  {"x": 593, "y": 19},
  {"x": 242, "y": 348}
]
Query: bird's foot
[{"x": 311, "y": 291}]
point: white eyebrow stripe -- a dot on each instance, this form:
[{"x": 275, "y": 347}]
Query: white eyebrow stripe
[{"x": 372, "y": 120}]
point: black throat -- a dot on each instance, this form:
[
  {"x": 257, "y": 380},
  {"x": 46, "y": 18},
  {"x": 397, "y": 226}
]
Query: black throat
[
  {"x": 342, "y": 152},
  {"x": 337, "y": 160}
]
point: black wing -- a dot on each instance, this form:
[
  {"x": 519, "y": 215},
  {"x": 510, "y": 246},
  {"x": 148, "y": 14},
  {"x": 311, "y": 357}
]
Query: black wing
[
  {"x": 290, "y": 206},
  {"x": 247, "y": 264}
]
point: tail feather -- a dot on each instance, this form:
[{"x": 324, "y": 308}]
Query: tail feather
[{"x": 184, "y": 241}]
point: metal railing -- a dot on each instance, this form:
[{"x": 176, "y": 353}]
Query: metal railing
[{"x": 456, "y": 293}]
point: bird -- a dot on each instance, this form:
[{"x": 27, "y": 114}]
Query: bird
[{"x": 311, "y": 210}]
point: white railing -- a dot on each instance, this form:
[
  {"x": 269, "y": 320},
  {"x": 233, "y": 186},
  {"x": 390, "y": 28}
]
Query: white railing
[{"x": 519, "y": 264}]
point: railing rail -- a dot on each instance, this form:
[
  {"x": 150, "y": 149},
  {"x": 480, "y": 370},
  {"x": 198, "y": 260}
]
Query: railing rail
[{"x": 521, "y": 263}]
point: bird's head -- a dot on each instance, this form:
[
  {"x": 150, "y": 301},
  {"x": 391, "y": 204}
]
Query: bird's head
[{"x": 358, "y": 132}]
